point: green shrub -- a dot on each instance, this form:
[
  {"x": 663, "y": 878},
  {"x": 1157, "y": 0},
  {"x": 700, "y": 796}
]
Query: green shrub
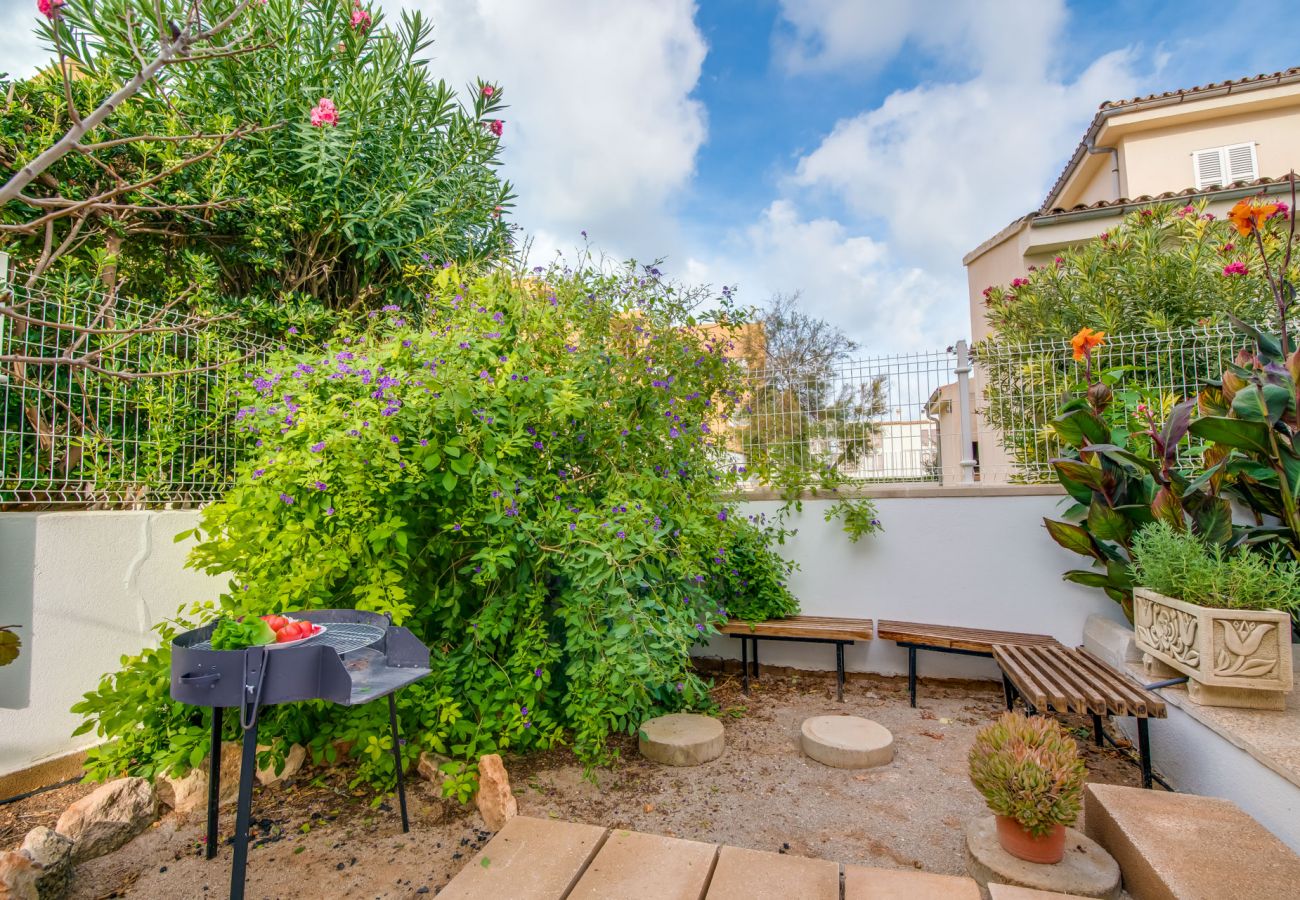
[
  {"x": 1181, "y": 565},
  {"x": 1028, "y": 768},
  {"x": 532, "y": 480}
]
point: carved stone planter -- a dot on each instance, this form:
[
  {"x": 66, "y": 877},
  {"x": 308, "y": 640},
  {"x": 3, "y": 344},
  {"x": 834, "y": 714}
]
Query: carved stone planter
[{"x": 1235, "y": 657}]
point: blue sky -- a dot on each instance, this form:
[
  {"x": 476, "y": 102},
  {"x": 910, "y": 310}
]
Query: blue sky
[{"x": 851, "y": 150}]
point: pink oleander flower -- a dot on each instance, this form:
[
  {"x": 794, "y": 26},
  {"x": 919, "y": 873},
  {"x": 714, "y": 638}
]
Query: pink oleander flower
[
  {"x": 360, "y": 18},
  {"x": 1019, "y": 282},
  {"x": 325, "y": 113},
  {"x": 497, "y": 126},
  {"x": 49, "y": 8},
  {"x": 1186, "y": 211},
  {"x": 1236, "y": 268},
  {"x": 488, "y": 90}
]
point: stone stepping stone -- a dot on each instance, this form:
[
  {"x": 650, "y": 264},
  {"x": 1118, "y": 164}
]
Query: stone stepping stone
[
  {"x": 635, "y": 866},
  {"x": 755, "y": 875},
  {"x": 847, "y": 742},
  {"x": 1181, "y": 845},
  {"x": 869, "y": 883},
  {"x": 681, "y": 739},
  {"x": 529, "y": 859},
  {"x": 1086, "y": 871},
  {"x": 1011, "y": 892}
]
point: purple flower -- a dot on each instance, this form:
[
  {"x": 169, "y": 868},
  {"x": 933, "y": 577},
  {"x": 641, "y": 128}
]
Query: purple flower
[
  {"x": 456, "y": 527},
  {"x": 537, "y": 445},
  {"x": 621, "y": 535},
  {"x": 485, "y": 375},
  {"x": 318, "y": 447},
  {"x": 672, "y": 432},
  {"x": 395, "y": 439},
  {"x": 286, "y": 499},
  {"x": 538, "y": 672},
  {"x": 498, "y": 316},
  {"x": 258, "y": 473},
  {"x": 293, "y": 329},
  {"x": 330, "y": 511},
  {"x": 722, "y": 515},
  {"x": 320, "y": 485},
  {"x": 699, "y": 628}
]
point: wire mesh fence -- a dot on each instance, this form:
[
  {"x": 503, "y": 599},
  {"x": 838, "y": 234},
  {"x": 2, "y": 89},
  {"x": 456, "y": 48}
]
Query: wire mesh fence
[
  {"x": 1021, "y": 387},
  {"x": 110, "y": 402},
  {"x": 871, "y": 420}
]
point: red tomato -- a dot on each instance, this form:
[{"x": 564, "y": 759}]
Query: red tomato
[
  {"x": 286, "y": 634},
  {"x": 276, "y": 622}
]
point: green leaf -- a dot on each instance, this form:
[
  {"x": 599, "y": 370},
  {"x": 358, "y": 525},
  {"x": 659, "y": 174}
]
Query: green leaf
[
  {"x": 1081, "y": 427},
  {"x": 448, "y": 481},
  {"x": 1252, "y": 436},
  {"x": 1071, "y": 537},
  {"x": 1079, "y": 472},
  {"x": 1108, "y": 524},
  {"x": 1084, "y": 577}
]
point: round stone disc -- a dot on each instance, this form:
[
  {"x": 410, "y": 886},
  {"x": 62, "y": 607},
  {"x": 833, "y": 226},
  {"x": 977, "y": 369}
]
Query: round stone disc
[
  {"x": 681, "y": 739},
  {"x": 847, "y": 742},
  {"x": 1086, "y": 871}
]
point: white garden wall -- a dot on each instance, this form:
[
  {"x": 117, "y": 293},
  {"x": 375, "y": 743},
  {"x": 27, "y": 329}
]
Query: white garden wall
[
  {"x": 974, "y": 557},
  {"x": 87, "y": 587}
]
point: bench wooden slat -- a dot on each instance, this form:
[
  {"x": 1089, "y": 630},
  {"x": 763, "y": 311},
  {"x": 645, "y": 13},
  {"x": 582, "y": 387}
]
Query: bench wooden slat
[
  {"x": 955, "y": 637},
  {"x": 824, "y": 627},
  {"x": 1075, "y": 681}
]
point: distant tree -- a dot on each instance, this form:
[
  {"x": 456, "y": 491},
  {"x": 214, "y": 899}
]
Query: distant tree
[{"x": 805, "y": 412}]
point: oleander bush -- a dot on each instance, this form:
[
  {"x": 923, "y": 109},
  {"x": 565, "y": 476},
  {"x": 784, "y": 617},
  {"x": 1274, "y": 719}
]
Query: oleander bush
[{"x": 532, "y": 479}]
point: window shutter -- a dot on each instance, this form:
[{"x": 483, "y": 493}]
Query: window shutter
[
  {"x": 1241, "y": 163},
  {"x": 1208, "y": 168}
]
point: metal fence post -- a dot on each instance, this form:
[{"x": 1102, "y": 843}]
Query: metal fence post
[
  {"x": 967, "y": 451},
  {"x": 4, "y": 298}
]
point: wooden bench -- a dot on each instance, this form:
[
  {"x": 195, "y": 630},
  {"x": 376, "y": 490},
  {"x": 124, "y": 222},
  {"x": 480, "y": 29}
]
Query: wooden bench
[
  {"x": 950, "y": 639},
  {"x": 1057, "y": 679},
  {"x": 810, "y": 629}
]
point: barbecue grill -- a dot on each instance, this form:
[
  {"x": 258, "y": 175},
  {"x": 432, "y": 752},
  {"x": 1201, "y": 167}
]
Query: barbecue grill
[{"x": 357, "y": 658}]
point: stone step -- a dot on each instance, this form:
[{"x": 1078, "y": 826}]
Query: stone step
[
  {"x": 681, "y": 739},
  {"x": 869, "y": 883},
  {"x": 1013, "y": 892},
  {"x": 1187, "y": 847},
  {"x": 635, "y": 866},
  {"x": 754, "y": 875},
  {"x": 529, "y": 859},
  {"x": 846, "y": 742}
]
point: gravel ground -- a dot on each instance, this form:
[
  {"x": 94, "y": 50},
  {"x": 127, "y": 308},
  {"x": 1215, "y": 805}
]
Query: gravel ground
[{"x": 317, "y": 838}]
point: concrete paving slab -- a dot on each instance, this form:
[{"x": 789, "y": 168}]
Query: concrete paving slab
[
  {"x": 1185, "y": 847},
  {"x": 869, "y": 883},
  {"x": 846, "y": 742},
  {"x": 1086, "y": 871},
  {"x": 635, "y": 866},
  {"x": 1012, "y": 892},
  {"x": 754, "y": 875},
  {"x": 529, "y": 859}
]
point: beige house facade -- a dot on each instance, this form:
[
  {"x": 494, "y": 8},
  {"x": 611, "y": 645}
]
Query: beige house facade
[{"x": 1217, "y": 142}]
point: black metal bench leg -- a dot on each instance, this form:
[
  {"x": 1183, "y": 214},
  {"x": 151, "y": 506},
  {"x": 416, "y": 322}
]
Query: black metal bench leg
[
  {"x": 1144, "y": 751},
  {"x": 839, "y": 672},
  {"x": 214, "y": 780},
  {"x": 755, "y": 641},
  {"x": 744, "y": 664},
  {"x": 1008, "y": 692},
  {"x": 397, "y": 760},
  {"x": 244, "y": 809},
  {"x": 911, "y": 675},
  {"x": 1096, "y": 730}
]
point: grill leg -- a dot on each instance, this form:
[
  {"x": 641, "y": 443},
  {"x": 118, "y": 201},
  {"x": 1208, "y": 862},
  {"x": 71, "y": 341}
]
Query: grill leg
[
  {"x": 214, "y": 780},
  {"x": 1096, "y": 730},
  {"x": 244, "y": 811},
  {"x": 744, "y": 663},
  {"x": 397, "y": 758},
  {"x": 755, "y": 640},
  {"x": 1144, "y": 751},
  {"x": 839, "y": 672},
  {"x": 911, "y": 675}
]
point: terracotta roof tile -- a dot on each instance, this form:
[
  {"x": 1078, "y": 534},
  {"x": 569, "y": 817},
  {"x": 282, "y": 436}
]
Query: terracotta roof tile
[
  {"x": 1203, "y": 88},
  {"x": 1185, "y": 193}
]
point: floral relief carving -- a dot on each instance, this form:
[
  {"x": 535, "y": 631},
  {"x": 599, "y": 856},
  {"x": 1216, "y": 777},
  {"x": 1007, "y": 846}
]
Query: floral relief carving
[
  {"x": 1237, "y": 656},
  {"x": 1168, "y": 631}
]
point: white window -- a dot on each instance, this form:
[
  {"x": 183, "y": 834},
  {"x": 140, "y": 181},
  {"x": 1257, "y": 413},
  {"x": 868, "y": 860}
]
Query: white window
[{"x": 1224, "y": 165}]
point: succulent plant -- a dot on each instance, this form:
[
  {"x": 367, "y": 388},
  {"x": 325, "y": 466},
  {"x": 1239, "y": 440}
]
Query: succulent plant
[{"x": 1028, "y": 769}]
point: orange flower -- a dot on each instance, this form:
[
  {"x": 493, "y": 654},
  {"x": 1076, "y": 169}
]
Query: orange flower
[
  {"x": 1248, "y": 216},
  {"x": 1084, "y": 342}
]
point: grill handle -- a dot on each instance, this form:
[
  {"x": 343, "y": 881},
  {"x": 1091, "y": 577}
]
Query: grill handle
[{"x": 208, "y": 680}]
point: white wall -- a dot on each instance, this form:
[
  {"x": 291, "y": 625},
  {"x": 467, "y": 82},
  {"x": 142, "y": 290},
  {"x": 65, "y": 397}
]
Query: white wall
[
  {"x": 93, "y": 583},
  {"x": 977, "y": 561}
]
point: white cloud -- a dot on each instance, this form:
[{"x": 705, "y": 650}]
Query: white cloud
[
  {"x": 601, "y": 133},
  {"x": 21, "y": 53}
]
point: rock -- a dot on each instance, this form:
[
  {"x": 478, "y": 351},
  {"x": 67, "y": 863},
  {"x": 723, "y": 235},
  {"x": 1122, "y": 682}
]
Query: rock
[
  {"x": 847, "y": 742},
  {"x": 293, "y": 762},
  {"x": 495, "y": 802},
  {"x": 681, "y": 739},
  {"x": 1086, "y": 871},
  {"x": 231, "y": 752},
  {"x": 430, "y": 765},
  {"x": 18, "y": 876},
  {"x": 53, "y": 853},
  {"x": 184, "y": 794},
  {"x": 107, "y": 818}
]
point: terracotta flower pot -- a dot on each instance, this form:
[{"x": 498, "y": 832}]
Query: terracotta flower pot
[{"x": 1048, "y": 849}]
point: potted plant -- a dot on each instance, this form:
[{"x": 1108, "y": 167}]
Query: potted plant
[
  {"x": 1221, "y": 617},
  {"x": 1031, "y": 776}
]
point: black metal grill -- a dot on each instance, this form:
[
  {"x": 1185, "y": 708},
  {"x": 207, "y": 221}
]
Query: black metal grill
[{"x": 359, "y": 657}]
